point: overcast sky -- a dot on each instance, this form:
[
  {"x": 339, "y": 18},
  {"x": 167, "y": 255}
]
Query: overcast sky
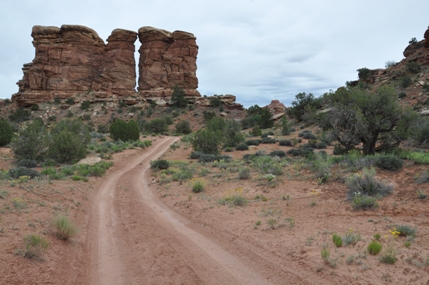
[{"x": 257, "y": 50}]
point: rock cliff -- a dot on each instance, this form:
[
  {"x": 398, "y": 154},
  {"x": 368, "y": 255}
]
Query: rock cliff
[{"x": 74, "y": 59}]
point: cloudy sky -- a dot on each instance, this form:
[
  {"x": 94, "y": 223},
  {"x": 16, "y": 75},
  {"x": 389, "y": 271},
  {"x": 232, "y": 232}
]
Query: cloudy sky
[{"x": 258, "y": 50}]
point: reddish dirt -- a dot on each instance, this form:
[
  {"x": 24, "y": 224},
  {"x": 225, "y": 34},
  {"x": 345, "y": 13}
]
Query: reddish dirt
[{"x": 135, "y": 229}]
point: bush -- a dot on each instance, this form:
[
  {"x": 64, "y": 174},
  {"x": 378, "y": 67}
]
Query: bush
[
  {"x": 389, "y": 162},
  {"x": 159, "y": 164},
  {"x": 374, "y": 247},
  {"x": 120, "y": 130},
  {"x": 256, "y": 131},
  {"x": 178, "y": 97},
  {"x": 366, "y": 185},
  {"x": 34, "y": 245},
  {"x": 183, "y": 127},
  {"x": 405, "y": 230},
  {"x": 413, "y": 67},
  {"x": 301, "y": 151},
  {"x": 195, "y": 155},
  {"x": 388, "y": 256},
  {"x": 308, "y": 136},
  {"x": 279, "y": 153},
  {"x": 231, "y": 133},
  {"x": 20, "y": 115},
  {"x": 405, "y": 81},
  {"x": 63, "y": 228},
  {"x": 244, "y": 173},
  {"x": 285, "y": 143},
  {"x": 157, "y": 126},
  {"x": 6, "y": 132},
  {"x": 364, "y": 202},
  {"x": 70, "y": 101},
  {"x": 321, "y": 145},
  {"x": 364, "y": 73},
  {"x": 242, "y": 146},
  {"x": 268, "y": 140},
  {"x": 198, "y": 186},
  {"x": 252, "y": 142},
  {"x": 211, "y": 158},
  {"x": 239, "y": 201},
  {"x": 29, "y": 163},
  {"x": 23, "y": 171},
  {"x": 402, "y": 95},
  {"x": 338, "y": 241},
  {"x": 207, "y": 142},
  {"x": 85, "y": 105},
  {"x": 66, "y": 147}
]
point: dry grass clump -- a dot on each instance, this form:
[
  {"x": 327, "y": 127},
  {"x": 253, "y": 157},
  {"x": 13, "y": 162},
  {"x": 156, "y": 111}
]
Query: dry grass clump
[{"x": 64, "y": 229}]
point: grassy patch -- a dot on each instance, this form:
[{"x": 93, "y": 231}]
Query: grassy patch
[{"x": 64, "y": 229}]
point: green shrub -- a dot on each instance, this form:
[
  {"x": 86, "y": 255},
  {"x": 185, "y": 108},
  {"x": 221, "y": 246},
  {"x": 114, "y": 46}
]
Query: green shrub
[
  {"x": 23, "y": 171},
  {"x": 374, "y": 247},
  {"x": 308, "y": 136},
  {"x": 279, "y": 153},
  {"x": 338, "y": 241},
  {"x": 239, "y": 200},
  {"x": 198, "y": 186},
  {"x": 6, "y": 132},
  {"x": 321, "y": 145},
  {"x": 402, "y": 95},
  {"x": 29, "y": 163},
  {"x": 212, "y": 158},
  {"x": 20, "y": 115},
  {"x": 66, "y": 146},
  {"x": 268, "y": 140},
  {"x": 244, "y": 173},
  {"x": 157, "y": 126},
  {"x": 159, "y": 164},
  {"x": 183, "y": 174},
  {"x": 285, "y": 143},
  {"x": 405, "y": 81},
  {"x": 231, "y": 133},
  {"x": 389, "y": 162},
  {"x": 405, "y": 230},
  {"x": 207, "y": 142},
  {"x": 121, "y": 130},
  {"x": 178, "y": 97},
  {"x": 252, "y": 142},
  {"x": 364, "y": 73},
  {"x": 364, "y": 202},
  {"x": 256, "y": 131},
  {"x": 183, "y": 127},
  {"x": 70, "y": 101},
  {"x": 195, "y": 155},
  {"x": 85, "y": 105},
  {"x": 34, "y": 246},
  {"x": 351, "y": 237},
  {"x": 365, "y": 184},
  {"x": 413, "y": 67},
  {"x": 64, "y": 229},
  {"x": 242, "y": 146}
]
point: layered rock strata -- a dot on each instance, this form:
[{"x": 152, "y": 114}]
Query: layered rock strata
[{"x": 73, "y": 59}]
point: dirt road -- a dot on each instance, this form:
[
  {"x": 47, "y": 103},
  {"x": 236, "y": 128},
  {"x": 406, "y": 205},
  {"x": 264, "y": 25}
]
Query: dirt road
[{"x": 133, "y": 238}]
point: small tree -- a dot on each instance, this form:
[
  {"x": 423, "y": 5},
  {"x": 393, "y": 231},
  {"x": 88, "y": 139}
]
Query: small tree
[
  {"x": 121, "y": 130},
  {"x": 6, "y": 132},
  {"x": 207, "y": 142},
  {"x": 157, "y": 126},
  {"x": 232, "y": 134},
  {"x": 302, "y": 103},
  {"x": 362, "y": 117},
  {"x": 215, "y": 124},
  {"x": 178, "y": 97},
  {"x": 68, "y": 141},
  {"x": 183, "y": 127},
  {"x": 30, "y": 142}
]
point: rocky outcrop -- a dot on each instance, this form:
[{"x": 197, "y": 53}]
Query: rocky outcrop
[
  {"x": 426, "y": 36},
  {"x": 167, "y": 59},
  {"x": 73, "y": 59},
  {"x": 276, "y": 107}
]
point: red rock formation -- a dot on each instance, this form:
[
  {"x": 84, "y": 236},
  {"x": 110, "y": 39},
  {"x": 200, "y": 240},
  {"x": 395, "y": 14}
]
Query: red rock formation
[
  {"x": 426, "y": 36},
  {"x": 74, "y": 59},
  {"x": 167, "y": 59}
]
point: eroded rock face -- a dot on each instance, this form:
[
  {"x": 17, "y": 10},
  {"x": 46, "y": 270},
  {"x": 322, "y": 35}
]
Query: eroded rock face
[
  {"x": 167, "y": 59},
  {"x": 426, "y": 36},
  {"x": 74, "y": 59}
]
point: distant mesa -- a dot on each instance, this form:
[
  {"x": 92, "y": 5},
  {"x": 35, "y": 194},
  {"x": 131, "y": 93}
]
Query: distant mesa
[{"x": 74, "y": 59}]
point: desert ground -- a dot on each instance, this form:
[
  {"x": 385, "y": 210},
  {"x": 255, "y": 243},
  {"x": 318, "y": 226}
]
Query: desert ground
[{"x": 140, "y": 226}]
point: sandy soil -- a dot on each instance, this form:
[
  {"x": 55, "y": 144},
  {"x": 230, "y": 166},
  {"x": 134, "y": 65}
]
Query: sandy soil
[{"x": 135, "y": 229}]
